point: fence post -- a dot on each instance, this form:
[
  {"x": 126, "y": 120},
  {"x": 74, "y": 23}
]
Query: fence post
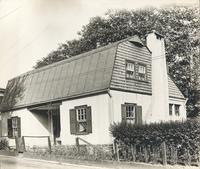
[
  {"x": 77, "y": 144},
  {"x": 117, "y": 151},
  {"x": 189, "y": 157},
  {"x": 145, "y": 154},
  {"x": 49, "y": 144},
  {"x": 23, "y": 143},
  {"x": 164, "y": 154},
  {"x": 17, "y": 144},
  {"x": 133, "y": 151}
]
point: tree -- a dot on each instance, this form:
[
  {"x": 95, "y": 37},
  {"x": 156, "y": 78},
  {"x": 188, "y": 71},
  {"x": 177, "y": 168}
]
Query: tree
[{"x": 178, "y": 24}]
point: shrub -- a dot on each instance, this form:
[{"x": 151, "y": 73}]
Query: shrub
[
  {"x": 183, "y": 136},
  {"x": 3, "y": 144}
]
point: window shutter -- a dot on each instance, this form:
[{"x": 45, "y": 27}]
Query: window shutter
[
  {"x": 138, "y": 119},
  {"x": 89, "y": 119},
  {"x": 73, "y": 121},
  {"x": 19, "y": 126},
  {"x": 123, "y": 112},
  {"x": 10, "y": 131}
]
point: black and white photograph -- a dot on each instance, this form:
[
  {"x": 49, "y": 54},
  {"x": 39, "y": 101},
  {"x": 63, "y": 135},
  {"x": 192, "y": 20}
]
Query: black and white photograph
[{"x": 99, "y": 84}]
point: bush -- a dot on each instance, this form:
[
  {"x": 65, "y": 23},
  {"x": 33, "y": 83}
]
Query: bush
[
  {"x": 98, "y": 152},
  {"x": 3, "y": 144},
  {"x": 184, "y": 136}
]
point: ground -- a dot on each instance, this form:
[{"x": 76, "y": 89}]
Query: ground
[{"x": 7, "y": 162}]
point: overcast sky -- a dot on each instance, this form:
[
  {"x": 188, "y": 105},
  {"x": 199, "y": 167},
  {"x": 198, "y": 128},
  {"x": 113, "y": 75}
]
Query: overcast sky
[{"x": 30, "y": 29}]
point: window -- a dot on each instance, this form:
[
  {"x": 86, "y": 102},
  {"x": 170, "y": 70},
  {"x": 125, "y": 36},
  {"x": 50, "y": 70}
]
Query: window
[
  {"x": 170, "y": 109},
  {"x": 81, "y": 120},
  {"x": 14, "y": 127},
  {"x": 141, "y": 72},
  {"x": 130, "y": 70},
  {"x": 131, "y": 113},
  {"x": 177, "y": 110}
]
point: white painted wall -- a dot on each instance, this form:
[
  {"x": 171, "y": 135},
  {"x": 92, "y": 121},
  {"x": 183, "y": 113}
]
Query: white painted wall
[
  {"x": 100, "y": 120},
  {"x": 160, "y": 93},
  {"x": 120, "y": 97},
  {"x": 30, "y": 126},
  {"x": 182, "y": 116}
]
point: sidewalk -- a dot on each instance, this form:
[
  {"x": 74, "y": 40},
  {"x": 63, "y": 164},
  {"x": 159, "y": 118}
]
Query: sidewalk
[{"x": 103, "y": 165}]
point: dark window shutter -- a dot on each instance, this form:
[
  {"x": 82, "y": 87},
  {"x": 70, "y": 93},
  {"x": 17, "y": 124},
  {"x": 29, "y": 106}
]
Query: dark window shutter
[
  {"x": 73, "y": 121},
  {"x": 19, "y": 126},
  {"x": 10, "y": 131},
  {"x": 89, "y": 119},
  {"x": 138, "y": 114},
  {"x": 123, "y": 112}
]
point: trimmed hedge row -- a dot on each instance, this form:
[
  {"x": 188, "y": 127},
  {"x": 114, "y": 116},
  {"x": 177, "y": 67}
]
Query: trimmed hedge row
[{"x": 185, "y": 136}]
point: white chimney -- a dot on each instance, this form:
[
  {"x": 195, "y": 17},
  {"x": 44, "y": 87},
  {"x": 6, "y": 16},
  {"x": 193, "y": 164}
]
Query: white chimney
[{"x": 160, "y": 95}]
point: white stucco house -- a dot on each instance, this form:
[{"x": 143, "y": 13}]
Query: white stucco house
[{"x": 83, "y": 95}]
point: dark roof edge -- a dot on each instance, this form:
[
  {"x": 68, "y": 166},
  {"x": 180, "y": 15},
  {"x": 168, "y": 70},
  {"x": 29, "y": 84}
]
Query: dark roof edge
[{"x": 105, "y": 90}]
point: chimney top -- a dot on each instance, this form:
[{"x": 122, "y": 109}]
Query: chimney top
[{"x": 158, "y": 35}]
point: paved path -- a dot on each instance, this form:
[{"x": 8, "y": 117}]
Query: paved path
[{"x": 24, "y": 163}]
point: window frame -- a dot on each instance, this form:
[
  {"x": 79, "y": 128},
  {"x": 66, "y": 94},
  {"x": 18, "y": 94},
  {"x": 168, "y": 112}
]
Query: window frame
[
  {"x": 86, "y": 123},
  {"x": 145, "y": 66},
  {"x": 15, "y": 128},
  {"x": 177, "y": 113},
  {"x": 171, "y": 109},
  {"x": 134, "y": 72},
  {"x": 131, "y": 119}
]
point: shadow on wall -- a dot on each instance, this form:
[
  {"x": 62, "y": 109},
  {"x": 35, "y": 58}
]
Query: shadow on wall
[{"x": 42, "y": 117}]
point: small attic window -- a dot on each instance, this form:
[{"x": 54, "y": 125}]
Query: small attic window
[{"x": 130, "y": 70}]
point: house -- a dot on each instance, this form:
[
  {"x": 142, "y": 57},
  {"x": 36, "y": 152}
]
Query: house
[
  {"x": 83, "y": 95},
  {"x": 1, "y": 98}
]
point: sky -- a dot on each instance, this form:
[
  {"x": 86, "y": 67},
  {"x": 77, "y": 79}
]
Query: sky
[{"x": 30, "y": 29}]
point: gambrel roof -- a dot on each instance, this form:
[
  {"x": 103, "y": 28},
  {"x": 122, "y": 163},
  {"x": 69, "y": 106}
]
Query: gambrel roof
[{"x": 79, "y": 76}]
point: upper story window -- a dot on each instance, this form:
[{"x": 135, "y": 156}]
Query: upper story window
[
  {"x": 130, "y": 70},
  {"x": 142, "y": 72},
  {"x": 177, "y": 110}
]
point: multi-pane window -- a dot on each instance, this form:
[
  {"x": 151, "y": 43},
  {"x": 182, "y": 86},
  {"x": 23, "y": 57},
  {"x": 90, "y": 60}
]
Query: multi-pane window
[
  {"x": 130, "y": 113},
  {"x": 81, "y": 120},
  {"x": 14, "y": 127},
  {"x": 130, "y": 70},
  {"x": 141, "y": 72},
  {"x": 170, "y": 109},
  {"x": 81, "y": 114},
  {"x": 177, "y": 109}
]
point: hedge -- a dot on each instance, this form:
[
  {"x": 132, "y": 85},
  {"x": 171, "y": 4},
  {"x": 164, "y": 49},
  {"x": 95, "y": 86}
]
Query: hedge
[{"x": 185, "y": 136}]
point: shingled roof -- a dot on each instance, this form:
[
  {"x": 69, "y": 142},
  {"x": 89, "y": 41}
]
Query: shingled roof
[{"x": 82, "y": 75}]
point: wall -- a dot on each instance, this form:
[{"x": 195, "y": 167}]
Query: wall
[
  {"x": 119, "y": 97},
  {"x": 31, "y": 125},
  {"x": 182, "y": 116},
  {"x": 100, "y": 120}
]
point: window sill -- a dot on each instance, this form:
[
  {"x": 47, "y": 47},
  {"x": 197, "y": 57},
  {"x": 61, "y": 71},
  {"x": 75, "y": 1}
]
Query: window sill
[{"x": 145, "y": 81}]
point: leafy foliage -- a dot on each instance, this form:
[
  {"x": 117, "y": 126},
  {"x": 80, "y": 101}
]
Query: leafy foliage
[
  {"x": 178, "y": 24},
  {"x": 182, "y": 135}
]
